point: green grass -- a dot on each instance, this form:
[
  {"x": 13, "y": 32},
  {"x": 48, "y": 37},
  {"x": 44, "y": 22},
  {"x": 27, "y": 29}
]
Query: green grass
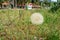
[{"x": 16, "y": 25}]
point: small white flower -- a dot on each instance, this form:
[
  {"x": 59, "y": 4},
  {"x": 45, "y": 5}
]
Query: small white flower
[
  {"x": 37, "y": 18},
  {"x": 35, "y": 38}
]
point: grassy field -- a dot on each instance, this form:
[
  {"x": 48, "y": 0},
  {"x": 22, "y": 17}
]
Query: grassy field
[{"x": 16, "y": 25}]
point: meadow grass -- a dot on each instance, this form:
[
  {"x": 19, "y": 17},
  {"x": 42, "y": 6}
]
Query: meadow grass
[{"x": 16, "y": 25}]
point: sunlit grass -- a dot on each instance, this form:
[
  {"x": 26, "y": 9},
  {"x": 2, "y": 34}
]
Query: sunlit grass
[{"x": 16, "y": 25}]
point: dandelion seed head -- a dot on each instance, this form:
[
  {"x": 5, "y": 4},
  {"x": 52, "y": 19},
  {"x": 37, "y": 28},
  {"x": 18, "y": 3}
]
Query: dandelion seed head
[{"x": 37, "y": 18}]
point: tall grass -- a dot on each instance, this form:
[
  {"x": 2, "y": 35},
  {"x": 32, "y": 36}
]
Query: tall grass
[{"x": 16, "y": 25}]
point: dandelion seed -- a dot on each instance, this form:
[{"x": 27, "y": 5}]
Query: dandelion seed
[{"x": 37, "y": 18}]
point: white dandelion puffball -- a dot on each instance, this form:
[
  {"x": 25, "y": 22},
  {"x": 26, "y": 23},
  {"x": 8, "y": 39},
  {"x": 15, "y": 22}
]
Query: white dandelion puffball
[{"x": 37, "y": 18}]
